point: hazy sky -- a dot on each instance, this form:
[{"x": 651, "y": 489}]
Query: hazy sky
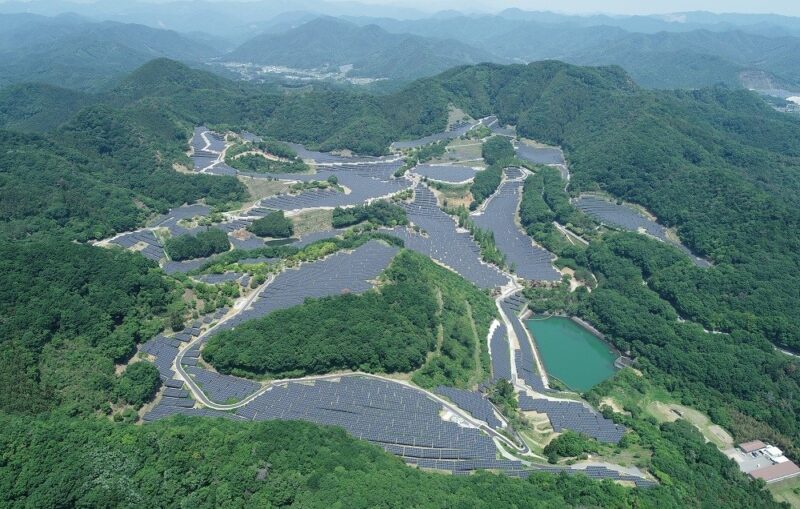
[{"x": 787, "y": 7}]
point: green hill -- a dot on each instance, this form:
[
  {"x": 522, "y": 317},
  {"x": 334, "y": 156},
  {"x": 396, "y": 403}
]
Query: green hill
[
  {"x": 330, "y": 43},
  {"x": 73, "y": 52}
]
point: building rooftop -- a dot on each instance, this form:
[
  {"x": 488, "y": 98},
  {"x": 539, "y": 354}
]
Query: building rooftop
[
  {"x": 752, "y": 446},
  {"x": 776, "y": 472}
]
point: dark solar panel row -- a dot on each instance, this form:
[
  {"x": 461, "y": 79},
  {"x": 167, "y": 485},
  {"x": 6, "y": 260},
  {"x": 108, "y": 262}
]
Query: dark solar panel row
[
  {"x": 164, "y": 350},
  {"x": 494, "y": 124},
  {"x": 222, "y": 388},
  {"x": 444, "y": 243},
  {"x": 472, "y": 402},
  {"x": 402, "y": 420},
  {"x": 540, "y": 155},
  {"x": 223, "y": 170},
  {"x": 152, "y": 247},
  {"x": 249, "y": 243},
  {"x": 455, "y": 132},
  {"x": 327, "y": 157},
  {"x": 339, "y": 273},
  {"x": 574, "y": 416},
  {"x": 625, "y": 217},
  {"x": 383, "y": 412},
  {"x": 219, "y": 278},
  {"x": 445, "y": 173},
  {"x": 524, "y": 359},
  {"x": 528, "y": 261},
  {"x": 364, "y": 181},
  {"x": 500, "y": 353}
]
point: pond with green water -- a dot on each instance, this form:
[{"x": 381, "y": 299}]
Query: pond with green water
[{"x": 571, "y": 353}]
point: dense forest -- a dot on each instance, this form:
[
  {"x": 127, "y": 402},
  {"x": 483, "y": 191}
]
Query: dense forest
[
  {"x": 391, "y": 329},
  {"x": 70, "y": 312},
  {"x": 201, "y": 245},
  {"x": 275, "y": 224},
  {"x": 379, "y": 213},
  {"x": 295, "y": 464}
]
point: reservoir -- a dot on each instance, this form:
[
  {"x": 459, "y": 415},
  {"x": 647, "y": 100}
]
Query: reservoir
[{"x": 570, "y": 353}]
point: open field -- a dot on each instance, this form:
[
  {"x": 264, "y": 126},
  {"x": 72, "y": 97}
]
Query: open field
[
  {"x": 311, "y": 221},
  {"x": 786, "y": 491}
]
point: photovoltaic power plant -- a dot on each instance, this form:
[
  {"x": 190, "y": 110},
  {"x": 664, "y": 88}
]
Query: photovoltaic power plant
[
  {"x": 472, "y": 402},
  {"x": 574, "y": 416},
  {"x": 529, "y": 261},
  {"x": 539, "y": 155},
  {"x": 444, "y": 243},
  {"x": 500, "y": 352},
  {"x": 455, "y": 132},
  {"x": 446, "y": 173},
  {"x": 364, "y": 181},
  {"x": 341, "y": 272},
  {"x": 625, "y": 217}
]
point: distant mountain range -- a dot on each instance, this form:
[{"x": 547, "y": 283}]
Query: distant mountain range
[
  {"x": 77, "y": 53},
  {"x": 685, "y": 50},
  {"x": 370, "y": 50}
]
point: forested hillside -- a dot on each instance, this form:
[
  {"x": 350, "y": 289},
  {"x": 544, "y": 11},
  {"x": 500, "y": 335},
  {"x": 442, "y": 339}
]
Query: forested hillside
[
  {"x": 82, "y": 54},
  {"x": 719, "y": 165},
  {"x": 329, "y": 43}
]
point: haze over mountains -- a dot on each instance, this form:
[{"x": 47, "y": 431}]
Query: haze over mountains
[{"x": 684, "y": 50}]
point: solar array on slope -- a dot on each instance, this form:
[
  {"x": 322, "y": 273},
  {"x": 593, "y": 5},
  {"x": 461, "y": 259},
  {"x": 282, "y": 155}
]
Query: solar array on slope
[
  {"x": 472, "y": 402},
  {"x": 225, "y": 277},
  {"x": 386, "y": 413},
  {"x": 493, "y": 123},
  {"x": 529, "y": 261},
  {"x": 152, "y": 247},
  {"x": 523, "y": 358},
  {"x": 327, "y": 157},
  {"x": 574, "y": 416},
  {"x": 457, "y": 130},
  {"x": 500, "y": 353},
  {"x": 365, "y": 182},
  {"x": 445, "y": 172},
  {"x": 222, "y": 388},
  {"x": 627, "y": 218},
  {"x": 444, "y": 243},
  {"x": 540, "y": 155},
  {"x": 336, "y": 274}
]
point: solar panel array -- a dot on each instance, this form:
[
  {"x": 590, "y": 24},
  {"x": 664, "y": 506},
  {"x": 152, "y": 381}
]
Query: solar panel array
[
  {"x": 529, "y": 261},
  {"x": 574, "y": 416},
  {"x": 173, "y": 267},
  {"x": 225, "y": 277},
  {"x": 524, "y": 359},
  {"x": 400, "y": 419},
  {"x": 472, "y": 402},
  {"x": 310, "y": 238},
  {"x": 171, "y": 218},
  {"x": 494, "y": 124},
  {"x": 540, "y": 155},
  {"x": 152, "y": 249},
  {"x": 444, "y": 243},
  {"x": 252, "y": 138},
  {"x": 455, "y": 132},
  {"x": 222, "y": 388},
  {"x": 627, "y": 218},
  {"x": 389, "y": 414},
  {"x": 251, "y": 242},
  {"x": 445, "y": 172},
  {"x": 365, "y": 182},
  {"x": 327, "y": 157},
  {"x": 501, "y": 356},
  {"x": 336, "y": 274},
  {"x": 164, "y": 350}
]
